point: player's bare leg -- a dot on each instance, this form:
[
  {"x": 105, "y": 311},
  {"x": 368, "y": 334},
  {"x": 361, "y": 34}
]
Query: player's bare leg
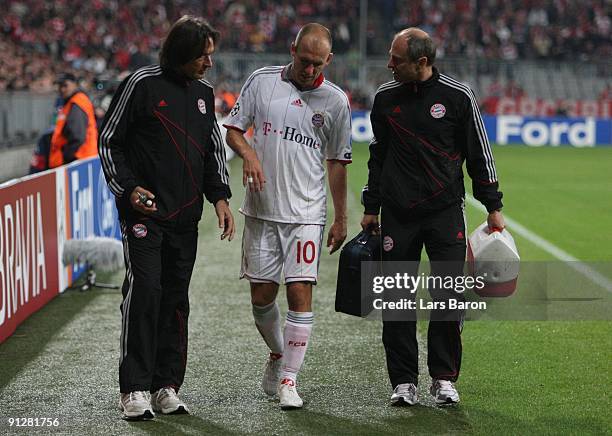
[
  {"x": 299, "y": 296},
  {"x": 263, "y": 294}
]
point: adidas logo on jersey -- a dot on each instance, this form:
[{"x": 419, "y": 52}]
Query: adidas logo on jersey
[{"x": 297, "y": 102}]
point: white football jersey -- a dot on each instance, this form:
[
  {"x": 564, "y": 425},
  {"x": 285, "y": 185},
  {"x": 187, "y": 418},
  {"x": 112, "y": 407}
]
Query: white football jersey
[{"x": 294, "y": 133}]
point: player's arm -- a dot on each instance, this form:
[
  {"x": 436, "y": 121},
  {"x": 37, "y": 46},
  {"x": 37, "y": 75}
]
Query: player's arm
[
  {"x": 339, "y": 154},
  {"x": 370, "y": 196},
  {"x": 241, "y": 117},
  {"x": 252, "y": 174},
  {"x": 480, "y": 163},
  {"x": 337, "y": 176}
]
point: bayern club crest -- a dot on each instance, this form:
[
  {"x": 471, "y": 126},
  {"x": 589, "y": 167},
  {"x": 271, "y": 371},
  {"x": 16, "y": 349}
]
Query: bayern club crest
[
  {"x": 437, "y": 110},
  {"x": 202, "y": 106},
  {"x": 139, "y": 230},
  {"x": 387, "y": 243},
  {"x": 318, "y": 120}
]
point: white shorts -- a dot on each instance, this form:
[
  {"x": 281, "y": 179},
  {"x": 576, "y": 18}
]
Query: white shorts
[{"x": 271, "y": 250}]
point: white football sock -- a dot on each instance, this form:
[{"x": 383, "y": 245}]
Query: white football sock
[
  {"x": 297, "y": 334},
  {"x": 267, "y": 320}
]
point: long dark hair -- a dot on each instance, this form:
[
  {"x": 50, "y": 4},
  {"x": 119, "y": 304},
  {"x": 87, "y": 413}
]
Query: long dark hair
[{"x": 186, "y": 41}]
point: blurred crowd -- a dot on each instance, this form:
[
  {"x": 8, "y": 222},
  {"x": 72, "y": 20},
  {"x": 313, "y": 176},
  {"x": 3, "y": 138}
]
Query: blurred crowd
[
  {"x": 100, "y": 40},
  {"x": 507, "y": 29}
]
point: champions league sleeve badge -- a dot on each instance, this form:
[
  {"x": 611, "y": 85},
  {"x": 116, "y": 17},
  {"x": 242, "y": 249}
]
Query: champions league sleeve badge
[
  {"x": 235, "y": 109},
  {"x": 318, "y": 119}
]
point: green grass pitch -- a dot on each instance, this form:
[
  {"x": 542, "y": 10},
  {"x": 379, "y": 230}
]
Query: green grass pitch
[{"x": 524, "y": 377}]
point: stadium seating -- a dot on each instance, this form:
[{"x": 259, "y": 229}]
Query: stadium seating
[
  {"x": 36, "y": 34},
  {"x": 542, "y": 50}
]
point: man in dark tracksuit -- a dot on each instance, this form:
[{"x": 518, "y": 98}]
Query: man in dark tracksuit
[
  {"x": 425, "y": 125},
  {"x": 161, "y": 152}
]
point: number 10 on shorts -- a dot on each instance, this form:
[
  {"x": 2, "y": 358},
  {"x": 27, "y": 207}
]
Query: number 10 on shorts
[{"x": 306, "y": 252}]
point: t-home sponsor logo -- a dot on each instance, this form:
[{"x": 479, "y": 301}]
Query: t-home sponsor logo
[{"x": 291, "y": 134}]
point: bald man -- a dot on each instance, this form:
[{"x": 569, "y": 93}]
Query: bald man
[
  {"x": 301, "y": 126},
  {"x": 426, "y": 124}
]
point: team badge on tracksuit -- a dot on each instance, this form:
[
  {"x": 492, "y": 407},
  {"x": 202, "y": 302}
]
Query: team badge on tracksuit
[
  {"x": 387, "y": 243},
  {"x": 437, "y": 110},
  {"x": 202, "y": 106},
  {"x": 139, "y": 230}
]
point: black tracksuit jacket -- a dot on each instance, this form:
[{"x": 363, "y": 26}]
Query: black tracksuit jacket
[
  {"x": 423, "y": 131},
  {"x": 160, "y": 132}
]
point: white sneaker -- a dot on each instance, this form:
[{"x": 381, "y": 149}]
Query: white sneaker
[
  {"x": 167, "y": 402},
  {"x": 404, "y": 394},
  {"x": 136, "y": 406},
  {"x": 444, "y": 392},
  {"x": 289, "y": 398},
  {"x": 271, "y": 376}
]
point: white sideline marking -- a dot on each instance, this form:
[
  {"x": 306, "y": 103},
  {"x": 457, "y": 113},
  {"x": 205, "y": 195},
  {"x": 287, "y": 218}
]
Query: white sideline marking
[{"x": 550, "y": 248}]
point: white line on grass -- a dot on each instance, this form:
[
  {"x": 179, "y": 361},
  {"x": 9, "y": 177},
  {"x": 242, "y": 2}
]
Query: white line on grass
[{"x": 550, "y": 248}]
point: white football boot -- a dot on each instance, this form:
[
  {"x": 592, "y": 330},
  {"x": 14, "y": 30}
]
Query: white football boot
[
  {"x": 288, "y": 396},
  {"x": 271, "y": 376}
]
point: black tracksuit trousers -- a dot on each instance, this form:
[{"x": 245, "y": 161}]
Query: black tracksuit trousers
[
  {"x": 155, "y": 308},
  {"x": 443, "y": 235}
]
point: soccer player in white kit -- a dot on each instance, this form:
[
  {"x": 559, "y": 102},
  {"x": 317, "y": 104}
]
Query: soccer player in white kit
[{"x": 301, "y": 122}]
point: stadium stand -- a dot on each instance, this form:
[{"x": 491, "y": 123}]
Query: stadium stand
[
  {"x": 544, "y": 50},
  {"x": 38, "y": 39}
]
